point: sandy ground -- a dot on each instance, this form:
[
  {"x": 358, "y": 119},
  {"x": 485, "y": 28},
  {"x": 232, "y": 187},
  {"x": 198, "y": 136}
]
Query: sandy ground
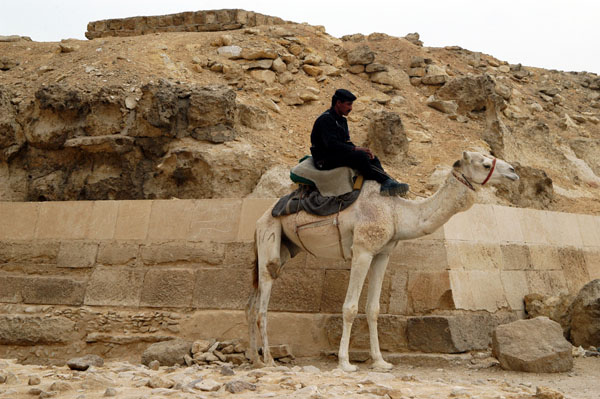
[{"x": 464, "y": 376}]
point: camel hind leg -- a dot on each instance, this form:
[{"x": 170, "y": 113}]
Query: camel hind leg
[{"x": 269, "y": 260}]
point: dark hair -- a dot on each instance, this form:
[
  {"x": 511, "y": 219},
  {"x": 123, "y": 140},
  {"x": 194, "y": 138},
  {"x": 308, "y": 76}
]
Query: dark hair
[{"x": 342, "y": 95}]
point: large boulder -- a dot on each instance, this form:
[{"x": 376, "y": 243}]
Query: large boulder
[
  {"x": 470, "y": 92},
  {"x": 534, "y": 189},
  {"x": 534, "y": 345},
  {"x": 168, "y": 353},
  {"x": 554, "y": 307},
  {"x": 362, "y": 55},
  {"x": 585, "y": 316},
  {"x": 386, "y": 135}
]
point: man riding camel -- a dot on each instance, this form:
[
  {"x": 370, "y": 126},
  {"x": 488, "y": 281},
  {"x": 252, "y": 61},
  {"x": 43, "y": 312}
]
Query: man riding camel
[{"x": 331, "y": 146}]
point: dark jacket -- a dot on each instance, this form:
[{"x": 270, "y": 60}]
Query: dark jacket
[{"x": 330, "y": 138}]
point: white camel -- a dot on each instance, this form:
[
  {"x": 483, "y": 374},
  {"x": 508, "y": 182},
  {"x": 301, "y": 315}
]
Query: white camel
[{"x": 368, "y": 230}]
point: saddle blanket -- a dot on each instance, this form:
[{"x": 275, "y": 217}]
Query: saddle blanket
[{"x": 308, "y": 199}]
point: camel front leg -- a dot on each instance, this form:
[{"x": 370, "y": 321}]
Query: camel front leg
[
  {"x": 360, "y": 266},
  {"x": 376, "y": 275}
]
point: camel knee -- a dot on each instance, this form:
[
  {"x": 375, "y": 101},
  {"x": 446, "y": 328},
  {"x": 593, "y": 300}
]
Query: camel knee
[
  {"x": 372, "y": 314},
  {"x": 349, "y": 312}
]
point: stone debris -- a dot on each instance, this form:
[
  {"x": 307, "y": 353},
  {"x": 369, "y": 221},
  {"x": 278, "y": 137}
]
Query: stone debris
[{"x": 83, "y": 363}]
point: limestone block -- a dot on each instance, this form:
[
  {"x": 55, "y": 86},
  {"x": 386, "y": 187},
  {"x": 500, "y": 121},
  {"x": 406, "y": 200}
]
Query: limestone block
[
  {"x": 516, "y": 257},
  {"x": 35, "y": 330},
  {"x": 589, "y": 226},
  {"x": 459, "y": 227},
  {"x": 484, "y": 227},
  {"x": 240, "y": 255},
  {"x": 52, "y": 290},
  {"x": 222, "y": 288},
  {"x": 562, "y": 229},
  {"x": 103, "y": 220},
  {"x": 592, "y": 260},
  {"x": 392, "y": 332},
  {"x": 216, "y": 221},
  {"x": 533, "y": 226},
  {"x": 508, "y": 227},
  {"x": 298, "y": 291},
  {"x": 473, "y": 256},
  {"x": 18, "y": 220},
  {"x": 574, "y": 266},
  {"x": 318, "y": 263},
  {"x": 10, "y": 289},
  {"x": 547, "y": 282},
  {"x": 168, "y": 288},
  {"x": 252, "y": 209},
  {"x": 514, "y": 283},
  {"x": 335, "y": 286},
  {"x": 423, "y": 255},
  {"x": 170, "y": 219},
  {"x": 111, "y": 286},
  {"x": 477, "y": 290},
  {"x": 77, "y": 254},
  {"x": 29, "y": 252},
  {"x": 132, "y": 220},
  {"x": 68, "y": 219},
  {"x": 117, "y": 253},
  {"x": 429, "y": 291},
  {"x": 182, "y": 252},
  {"x": 398, "y": 302},
  {"x": 544, "y": 257}
]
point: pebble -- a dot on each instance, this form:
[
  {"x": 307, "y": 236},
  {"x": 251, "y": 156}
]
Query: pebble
[
  {"x": 154, "y": 365},
  {"x": 110, "y": 392},
  {"x": 226, "y": 370},
  {"x": 238, "y": 386},
  {"x": 34, "y": 380}
]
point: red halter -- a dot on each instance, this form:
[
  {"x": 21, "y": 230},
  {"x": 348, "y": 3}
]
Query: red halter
[{"x": 491, "y": 171}]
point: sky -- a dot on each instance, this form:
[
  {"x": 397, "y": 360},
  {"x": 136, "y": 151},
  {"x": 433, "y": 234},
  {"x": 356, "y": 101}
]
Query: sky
[{"x": 551, "y": 34}]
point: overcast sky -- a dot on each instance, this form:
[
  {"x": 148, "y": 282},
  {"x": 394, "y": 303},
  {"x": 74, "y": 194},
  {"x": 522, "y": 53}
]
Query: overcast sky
[{"x": 550, "y": 34}]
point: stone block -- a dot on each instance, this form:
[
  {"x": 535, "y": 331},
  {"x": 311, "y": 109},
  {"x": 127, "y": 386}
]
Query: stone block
[
  {"x": 533, "y": 226},
  {"x": 113, "y": 286},
  {"x": 473, "y": 256},
  {"x": 547, "y": 282},
  {"x": 170, "y": 219},
  {"x": 562, "y": 229},
  {"x": 335, "y": 286},
  {"x": 197, "y": 253},
  {"x": 133, "y": 218},
  {"x": 592, "y": 261},
  {"x": 77, "y": 254},
  {"x": 52, "y": 291},
  {"x": 429, "y": 291},
  {"x": 544, "y": 257},
  {"x": 10, "y": 289},
  {"x": 222, "y": 288},
  {"x": 589, "y": 226},
  {"x": 459, "y": 227},
  {"x": 515, "y": 257},
  {"x": 168, "y": 288},
  {"x": 398, "y": 301},
  {"x": 312, "y": 262},
  {"x": 448, "y": 334},
  {"x": 391, "y": 328},
  {"x": 298, "y": 291},
  {"x": 35, "y": 330},
  {"x": 574, "y": 266},
  {"x": 515, "y": 287},
  {"x": 215, "y": 220},
  {"x": 507, "y": 224},
  {"x": 242, "y": 255},
  {"x": 477, "y": 290},
  {"x": 18, "y": 220},
  {"x": 252, "y": 209},
  {"x": 29, "y": 252},
  {"x": 117, "y": 253},
  {"x": 484, "y": 226},
  {"x": 419, "y": 255},
  {"x": 64, "y": 220},
  {"x": 103, "y": 220}
]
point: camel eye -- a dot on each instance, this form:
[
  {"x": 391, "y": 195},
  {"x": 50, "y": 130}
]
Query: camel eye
[{"x": 486, "y": 166}]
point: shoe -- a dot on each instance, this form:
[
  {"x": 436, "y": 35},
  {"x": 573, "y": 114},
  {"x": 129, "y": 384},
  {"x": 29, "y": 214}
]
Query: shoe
[{"x": 392, "y": 188}]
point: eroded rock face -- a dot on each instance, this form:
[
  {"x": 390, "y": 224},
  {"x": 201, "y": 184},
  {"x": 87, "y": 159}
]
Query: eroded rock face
[
  {"x": 387, "y": 136},
  {"x": 585, "y": 316},
  {"x": 534, "y": 190}
]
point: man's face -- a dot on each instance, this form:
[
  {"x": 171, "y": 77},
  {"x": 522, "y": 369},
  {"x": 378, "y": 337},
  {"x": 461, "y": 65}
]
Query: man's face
[{"x": 343, "y": 108}]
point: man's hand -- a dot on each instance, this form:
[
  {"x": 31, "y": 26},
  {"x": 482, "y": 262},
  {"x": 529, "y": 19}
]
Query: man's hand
[{"x": 364, "y": 149}]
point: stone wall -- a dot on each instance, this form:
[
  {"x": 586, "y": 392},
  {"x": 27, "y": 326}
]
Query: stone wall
[
  {"x": 109, "y": 277},
  {"x": 192, "y": 21}
]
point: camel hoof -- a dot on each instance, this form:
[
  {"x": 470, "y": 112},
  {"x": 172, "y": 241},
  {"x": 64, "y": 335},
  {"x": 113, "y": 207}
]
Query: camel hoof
[
  {"x": 382, "y": 365},
  {"x": 348, "y": 368}
]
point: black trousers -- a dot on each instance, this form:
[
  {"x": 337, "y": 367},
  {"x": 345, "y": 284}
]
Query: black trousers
[{"x": 371, "y": 169}]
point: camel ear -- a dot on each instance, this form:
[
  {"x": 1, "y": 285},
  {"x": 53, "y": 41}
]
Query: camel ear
[
  {"x": 456, "y": 164},
  {"x": 467, "y": 157}
]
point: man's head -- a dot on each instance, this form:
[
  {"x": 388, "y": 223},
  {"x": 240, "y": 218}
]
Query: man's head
[{"x": 341, "y": 101}]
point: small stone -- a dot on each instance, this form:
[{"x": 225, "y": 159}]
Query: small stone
[
  {"x": 547, "y": 393},
  {"x": 208, "y": 385},
  {"x": 34, "y": 380},
  {"x": 130, "y": 102},
  {"x": 188, "y": 360},
  {"x": 49, "y": 394},
  {"x": 154, "y": 365},
  {"x": 158, "y": 382},
  {"x": 201, "y": 345},
  {"x": 220, "y": 356},
  {"x": 311, "y": 369},
  {"x": 10, "y": 378},
  {"x": 110, "y": 392},
  {"x": 238, "y": 386},
  {"x": 34, "y": 391},
  {"x": 227, "y": 350},
  {"x": 61, "y": 386},
  {"x": 226, "y": 370},
  {"x": 84, "y": 362}
]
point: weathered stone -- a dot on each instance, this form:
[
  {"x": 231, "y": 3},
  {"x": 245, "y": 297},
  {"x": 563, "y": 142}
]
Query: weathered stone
[
  {"x": 168, "y": 287},
  {"x": 77, "y": 254},
  {"x": 232, "y": 52},
  {"x": 535, "y": 345},
  {"x": 253, "y": 117},
  {"x": 312, "y": 70},
  {"x": 221, "y": 288},
  {"x": 386, "y": 135},
  {"x": 279, "y": 66},
  {"x": 417, "y": 72},
  {"x": 471, "y": 93},
  {"x": 167, "y": 353},
  {"x": 259, "y": 64},
  {"x": 238, "y": 386},
  {"x": 356, "y": 69},
  {"x": 375, "y": 67},
  {"x": 53, "y": 290},
  {"x": 585, "y": 316},
  {"x": 110, "y": 286},
  {"x": 362, "y": 55},
  {"x": 84, "y": 362},
  {"x": 7, "y": 63},
  {"x": 202, "y": 253},
  {"x": 447, "y": 107},
  {"x": 392, "y": 332},
  {"x": 266, "y": 76}
]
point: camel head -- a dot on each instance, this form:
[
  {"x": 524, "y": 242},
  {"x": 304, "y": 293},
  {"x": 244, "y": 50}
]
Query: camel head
[{"x": 482, "y": 169}]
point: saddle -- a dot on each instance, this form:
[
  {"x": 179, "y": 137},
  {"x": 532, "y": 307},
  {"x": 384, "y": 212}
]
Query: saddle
[{"x": 330, "y": 183}]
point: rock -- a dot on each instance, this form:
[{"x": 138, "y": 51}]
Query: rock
[
  {"x": 238, "y": 386},
  {"x": 208, "y": 385},
  {"x": 535, "y": 345},
  {"x": 362, "y": 55},
  {"x": 375, "y": 67},
  {"x": 109, "y": 392},
  {"x": 417, "y": 72},
  {"x": 554, "y": 307},
  {"x": 14, "y": 38},
  {"x": 356, "y": 69},
  {"x": 279, "y": 351},
  {"x": 312, "y": 59},
  {"x": 414, "y": 39},
  {"x": 68, "y": 47},
  {"x": 504, "y": 68},
  {"x": 311, "y": 369},
  {"x": 7, "y": 64},
  {"x": 279, "y": 66},
  {"x": 394, "y": 78},
  {"x": 534, "y": 189},
  {"x": 258, "y": 53},
  {"x": 84, "y": 362},
  {"x": 226, "y": 370},
  {"x": 266, "y": 76},
  {"x": 61, "y": 386},
  {"x": 200, "y": 346},
  {"x": 154, "y": 365},
  {"x": 253, "y": 117},
  {"x": 312, "y": 70},
  {"x": 447, "y": 107},
  {"x": 236, "y": 358},
  {"x": 158, "y": 382},
  {"x": 386, "y": 135},
  {"x": 34, "y": 380},
  {"x": 259, "y": 64},
  {"x": 330, "y": 70},
  {"x": 307, "y": 96},
  {"x": 547, "y": 393},
  {"x": 2, "y": 378},
  {"x": 35, "y": 330},
  {"x": 167, "y": 353},
  {"x": 471, "y": 93},
  {"x": 585, "y": 316}
]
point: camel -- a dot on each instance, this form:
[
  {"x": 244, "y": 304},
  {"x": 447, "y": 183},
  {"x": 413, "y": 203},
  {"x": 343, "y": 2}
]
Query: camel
[{"x": 368, "y": 230}]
